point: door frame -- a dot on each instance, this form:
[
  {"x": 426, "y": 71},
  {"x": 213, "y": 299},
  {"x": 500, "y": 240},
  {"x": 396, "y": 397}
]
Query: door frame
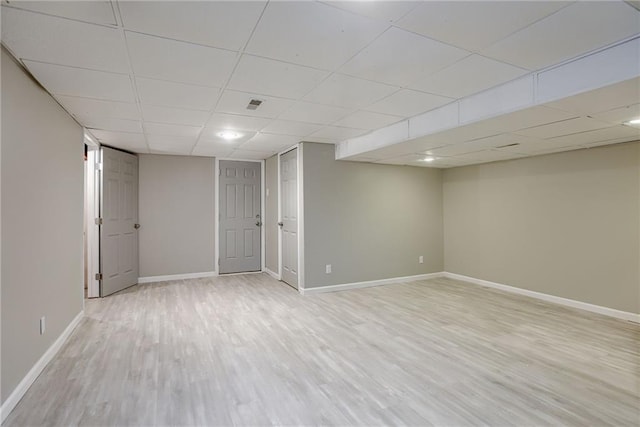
[
  {"x": 300, "y": 199},
  {"x": 216, "y": 215},
  {"x": 92, "y": 211}
]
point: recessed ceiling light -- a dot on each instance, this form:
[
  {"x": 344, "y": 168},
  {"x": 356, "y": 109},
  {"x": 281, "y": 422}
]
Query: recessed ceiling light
[
  {"x": 229, "y": 135},
  {"x": 428, "y": 159},
  {"x": 634, "y": 122}
]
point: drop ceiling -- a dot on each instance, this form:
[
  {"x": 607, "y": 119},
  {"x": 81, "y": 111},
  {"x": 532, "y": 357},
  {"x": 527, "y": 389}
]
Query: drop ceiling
[{"x": 168, "y": 77}]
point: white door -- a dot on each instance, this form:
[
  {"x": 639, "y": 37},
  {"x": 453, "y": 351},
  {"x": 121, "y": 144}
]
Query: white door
[
  {"x": 239, "y": 217},
  {"x": 289, "y": 211},
  {"x": 119, "y": 228}
]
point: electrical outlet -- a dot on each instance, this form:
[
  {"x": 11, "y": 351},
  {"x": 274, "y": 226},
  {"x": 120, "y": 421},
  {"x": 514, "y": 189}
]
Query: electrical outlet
[
  {"x": 328, "y": 269},
  {"x": 421, "y": 259},
  {"x": 42, "y": 325}
]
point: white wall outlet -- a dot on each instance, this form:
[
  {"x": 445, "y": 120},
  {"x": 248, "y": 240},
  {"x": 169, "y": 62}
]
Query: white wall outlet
[
  {"x": 327, "y": 269},
  {"x": 421, "y": 259},
  {"x": 43, "y": 325}
]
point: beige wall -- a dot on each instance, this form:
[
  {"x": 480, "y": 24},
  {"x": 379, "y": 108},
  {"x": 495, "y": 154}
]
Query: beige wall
[
  {"x": 41, "y": 225},
  {"x": 176, "y": 204},
  {"x": 563, "y": 224},
  {"x": 271, "y": 214},
  {"x": 368, "y": 221}
]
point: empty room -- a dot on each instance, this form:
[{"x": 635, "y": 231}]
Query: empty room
[{"x": 343, "y": 213}]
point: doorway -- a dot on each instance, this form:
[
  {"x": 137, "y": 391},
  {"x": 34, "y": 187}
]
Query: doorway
[
  {"x": 289, "y": 217},
  {"x": 239, "y": 216}
]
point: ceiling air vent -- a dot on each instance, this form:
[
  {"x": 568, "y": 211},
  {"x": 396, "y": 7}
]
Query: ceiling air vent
[
  {"x": 254, "y": 104},
  {"x": 509, "y": 145}
]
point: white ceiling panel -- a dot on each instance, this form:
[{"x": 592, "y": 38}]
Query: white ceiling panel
[
  {"x": 96, "y": 12},
  {"x": 565, "y": 127},
  {"x": 480, "y": 144},
  {"x": 172, "y": 60},
  {"x": 407, "y": 103},
  {"x": 234, "y": 102},
  {"x": 210, "y": 136},
  {"x": 527, "y": 118},
  {"x": 251, "y": 155},
  {"x": 314, "y": 113},
  {"x": 582, "y": 27},
  {"x": 72, "y": 81},
  {"x": 367, "y": 120},
  {"x": 270, "y": 77},
  {"x": 179, "y": 95},
  {"x": 336, "y": 132},
  {"x": 179, "y": 116},
  {"x": 107, "y": 123},
  {"x": 236, "y": 122},
  {"x": 171, "y": 130},
  {"x": 212, "y": 149},
  {"x": 61, "y": 41},
  {"x": 224, "y": 24},
  {"x": 285, "y": 127},
  {"x": 312, "y": 34},
  {"x": 269, "y": 142},
  {"x": 382, "y": 10},
  {"x": 598, "y": 135},
  {"x": 604, "y": 99},
  {"x": 115, "y": 138},
  {"x": 349, "y": 92},
  {"x": 322, "y": 140},
  {"x": 98, "y": 108},
  {"x": 473, "y": 25},
  {"x": 619, "y": 115},
  {"x": 164, "y": 144},
  {"x": 467, "y": 76},
  {"x": 399, "y": 58}
]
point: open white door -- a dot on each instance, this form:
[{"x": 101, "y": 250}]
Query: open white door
[
  {"x": 289, "y": 220},
  {"x": 119, "y": 217}
]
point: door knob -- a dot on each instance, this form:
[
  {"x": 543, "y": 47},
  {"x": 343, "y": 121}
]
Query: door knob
[
  {"x": 258, "y": 223},
  {"x": 280, "y": 224},
  {"x": 136, "y": 226}
]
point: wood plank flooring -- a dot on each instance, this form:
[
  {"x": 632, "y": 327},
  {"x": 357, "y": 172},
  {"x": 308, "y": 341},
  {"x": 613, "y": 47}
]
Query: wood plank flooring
[{"x": 248, "y": 350}]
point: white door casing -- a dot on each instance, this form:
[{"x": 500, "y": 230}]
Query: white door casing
[{"x": 289, "y": 216}]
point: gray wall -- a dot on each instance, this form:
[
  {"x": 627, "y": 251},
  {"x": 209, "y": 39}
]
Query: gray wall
[
  {"x": 271, "y": 214},
  {"x": 564, "y": 224},
  {"x": 368, "y": 221},
  {"x": 41, "y": 226},
  {"x": 176, "y": 204}
]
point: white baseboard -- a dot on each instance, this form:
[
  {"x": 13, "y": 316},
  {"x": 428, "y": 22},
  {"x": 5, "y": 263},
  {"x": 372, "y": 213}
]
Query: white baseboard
[
  {"x": 272, "y": 274},
  {"x": 619, "y": 314},
  {"x": 370, "y": 283},
  {"x": 150, "y": 279},
  {"x": 37, "y": 369}
]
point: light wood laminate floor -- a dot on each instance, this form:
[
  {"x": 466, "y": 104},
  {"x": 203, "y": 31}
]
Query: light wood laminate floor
[{"x": 248, "y": 350}]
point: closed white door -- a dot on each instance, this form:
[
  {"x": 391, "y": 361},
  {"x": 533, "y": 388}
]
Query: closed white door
[
  {"x": 239, "y": 221},
  {"x": 289, "y": 212},
  {"x": 119, "y": 214}
]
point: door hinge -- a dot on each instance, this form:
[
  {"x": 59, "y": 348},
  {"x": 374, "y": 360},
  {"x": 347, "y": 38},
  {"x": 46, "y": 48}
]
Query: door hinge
[
  {"x": 98, "y": 166},
  {"x": 98, "y": 221},
  {"x": 98, "y": 276}
]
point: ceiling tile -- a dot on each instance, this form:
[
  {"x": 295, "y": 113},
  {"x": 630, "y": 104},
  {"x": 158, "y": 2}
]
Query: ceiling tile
[
  {"x": 598, "y": 135},
  {"x": 485, "y": 156},
  {"x": 63, "y": 80},
  {"x": 312, "y": 34},
  {"x": 399, "y": 58},
  {"x": 349, "y": 92},
  {"x": 269, "y": 142},
  {"x": 474, "y": 25},
  {"x": 480, "y": 144},
  {"x": 111, "y": 138},
  {"x": 277, "y": 78},
  {"x": 564, "y": 127},
  {"x": 223, "y": 24},
  {"x": 604, "y": 99},
  {"x": 335, "y": 132},
  {"x": 251, "y": 155},
  {"x": 179, "y": 116},
  {"x": 468, "y": 76},
  {"x": 619, "y": 115},
  {"x": 172, "y": 60},
  {"x": 180, "y": 95},
  {"x": 61, "y": 41},
  {"x": 285, "y": 127},
  {"x": 314, "y": 113},
  {"x": 171, "y": 130},
  {"x": 367, "y": 120},
  {"x": 107, "y": 123},
  {"x": 236, "y": 103},
  {"x": 322, "y": 140},
  {"x": 164, "y": 144},
  {"x": 527, "y": 118},
  {"x": 537, "y": 46},
  {"x": 237, "y": 122},
  {"x": 382, "y": 10},
  {"x": 407, "y": 103},
  {"x": 95, "y": 107},
  {"x": 97, "y": 12},
  {"x": 210, "y": 135},
  {"x": 211, "y": 149}
]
